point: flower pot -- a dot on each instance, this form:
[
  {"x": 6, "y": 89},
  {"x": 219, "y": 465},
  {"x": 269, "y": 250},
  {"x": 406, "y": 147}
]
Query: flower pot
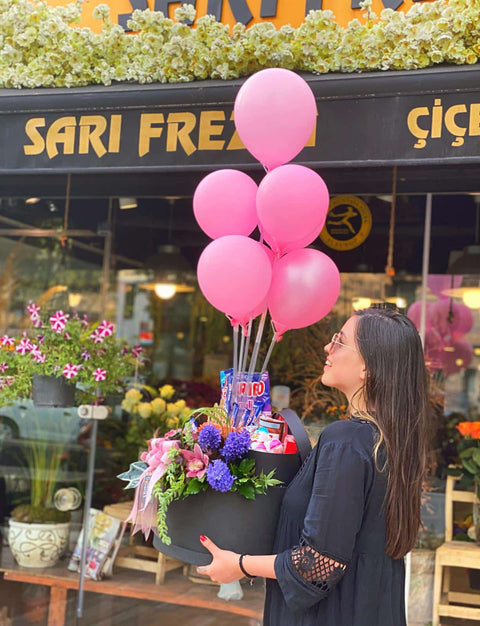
[
  {"x": 52, "y": 391},
  {"x": 228, "y": 519},
  {"x": 37, "y": 545}
]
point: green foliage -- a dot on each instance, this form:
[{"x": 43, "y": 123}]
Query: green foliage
[
  {"x": 100, "y": 362},
  {"x": 39, "y": 48}
]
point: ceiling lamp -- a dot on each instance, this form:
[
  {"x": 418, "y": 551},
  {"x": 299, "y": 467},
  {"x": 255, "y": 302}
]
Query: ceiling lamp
[
  {"x": 398, "y": 301},
  {"x": 169, "y": 273},
  {"x": 360, "y": 303},
  {"x": 127, "y": 203},
  {"x": 467, "y": 265}
]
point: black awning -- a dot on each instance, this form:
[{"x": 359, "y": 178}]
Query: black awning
[{"x": 422, "y": 117}]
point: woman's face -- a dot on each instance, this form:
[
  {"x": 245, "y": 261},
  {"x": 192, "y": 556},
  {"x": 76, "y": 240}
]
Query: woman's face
[{"x": 344, "y": 367}]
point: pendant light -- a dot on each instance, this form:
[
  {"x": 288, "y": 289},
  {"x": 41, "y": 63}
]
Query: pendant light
[
  {"x": 169, "y": 272},
  {"x": 467, "y": 265}
]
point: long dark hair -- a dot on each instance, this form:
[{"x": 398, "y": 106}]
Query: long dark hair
[{"x": 396, "y": 395}]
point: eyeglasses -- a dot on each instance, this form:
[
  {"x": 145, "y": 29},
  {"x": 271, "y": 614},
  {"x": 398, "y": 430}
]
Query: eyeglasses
[{"x": 335, "y": 341}]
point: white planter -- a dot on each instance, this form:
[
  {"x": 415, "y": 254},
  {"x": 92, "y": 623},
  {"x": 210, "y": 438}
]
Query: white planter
[
  {"x": 420, "y": 602},
  {"x": 37, "y": 545}
]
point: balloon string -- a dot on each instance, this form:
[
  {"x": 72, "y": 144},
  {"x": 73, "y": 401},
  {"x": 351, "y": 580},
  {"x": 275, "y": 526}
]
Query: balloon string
[
  {"x": 235, "y": 349},
  {"x": 244, "y": 356},
  {"x": 256, "y": 345},
  {"x": 240, "y": 354},
  {"x": 269, "y": 353}
]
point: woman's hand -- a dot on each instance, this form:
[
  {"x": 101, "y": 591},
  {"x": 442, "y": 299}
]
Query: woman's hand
[{"x": 224, "y": 568}]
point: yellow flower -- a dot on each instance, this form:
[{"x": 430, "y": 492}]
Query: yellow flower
[
  {"x": 172, "y": 422},
  {"x": 166, "y": 392},
  {"x": 144, "y": 409},
  {"x": 173, "y": 409},
  {"x": 133, "y": 395},
  {"x": 159, "y": 406}
]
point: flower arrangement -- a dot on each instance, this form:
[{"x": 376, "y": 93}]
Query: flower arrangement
[
  {"x": 152, "y": 411},
  {"x": 38, "y": 47},
  {"x": 470, "y": 448},
  {"x": 66, "y": 346},
  {"x": 207, "y": 452}
]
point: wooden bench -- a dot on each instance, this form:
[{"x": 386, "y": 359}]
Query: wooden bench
[
  {"x": 140, "y": 557},
  {"x": 176, "y": 590}
]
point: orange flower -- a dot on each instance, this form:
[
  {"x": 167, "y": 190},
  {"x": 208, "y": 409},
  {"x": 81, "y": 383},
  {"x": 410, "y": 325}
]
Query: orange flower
[{"x": 469, "y": 429}]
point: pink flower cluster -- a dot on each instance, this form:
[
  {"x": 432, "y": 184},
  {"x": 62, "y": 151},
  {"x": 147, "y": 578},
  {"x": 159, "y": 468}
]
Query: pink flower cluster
[{"x": 58, "y": 321}]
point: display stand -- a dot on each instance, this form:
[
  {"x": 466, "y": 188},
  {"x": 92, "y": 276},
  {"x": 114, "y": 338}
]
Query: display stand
[
  {"x": 138, "y": 557},
  {"x": 176, "y": 590}
]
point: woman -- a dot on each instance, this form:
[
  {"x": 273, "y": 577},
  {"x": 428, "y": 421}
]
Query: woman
[{"x": 353, "y": 510}]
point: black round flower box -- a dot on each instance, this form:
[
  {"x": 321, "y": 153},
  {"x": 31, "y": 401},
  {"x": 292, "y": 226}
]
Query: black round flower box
[
  {"x": 52, "y": 391},
  {"x": 228, "y": 519}
]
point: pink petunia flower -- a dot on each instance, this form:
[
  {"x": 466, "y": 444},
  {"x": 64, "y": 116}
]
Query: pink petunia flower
[
  {"x": 136, "y": 351},
  {"x": 196, "y": 462},
  {"x": 7, "y": 341},
  {"x": 3, "y": 367},
  {"x": 39, "y": 357},
  {"x": 96, "y": 336},
  {"x": 34, "y": 310},
  {"x": 105, "y": 329},
  {"x": 69, "y": 371},
  {"x": 99, "y": 374},
  {"x": 24, "y": 346},
  {"x": 58, "y": 321}
]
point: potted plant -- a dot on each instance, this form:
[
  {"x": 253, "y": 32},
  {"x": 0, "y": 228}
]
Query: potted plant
[
  {"x": 38, "y": 533},
  {"x": 151, "y": 410},
  {"x": 67, "y": 349},
  {"x": 203, "y": 472}
]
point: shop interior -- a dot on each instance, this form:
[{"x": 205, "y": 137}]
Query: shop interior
[{"x": 120, "y": 236}]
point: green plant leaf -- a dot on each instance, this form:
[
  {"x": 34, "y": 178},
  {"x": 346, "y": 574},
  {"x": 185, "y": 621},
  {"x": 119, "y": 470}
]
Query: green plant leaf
[
  {"x": 476, "y": 456},
  {"x": 247, "y": 490},
  {"x": 470, "y": 466},
  {"x": 194, "y": 486}
]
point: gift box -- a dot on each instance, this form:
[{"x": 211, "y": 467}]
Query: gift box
[{"x": 230, "y": 520}]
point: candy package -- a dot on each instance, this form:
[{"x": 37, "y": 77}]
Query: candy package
[{"x": 247, "y": 398}]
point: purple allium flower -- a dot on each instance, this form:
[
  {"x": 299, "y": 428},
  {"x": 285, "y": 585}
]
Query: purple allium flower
[
  {"x": 209, "y": 437},
  {"x": 219, "y": 476},
  {"x": 236, "y": 445}
]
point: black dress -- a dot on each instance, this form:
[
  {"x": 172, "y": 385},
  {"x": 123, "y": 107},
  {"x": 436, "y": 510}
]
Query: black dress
[{"x": 331, "y": 565}]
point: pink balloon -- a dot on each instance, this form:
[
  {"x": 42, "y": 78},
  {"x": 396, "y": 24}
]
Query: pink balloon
[
  {"x": 414, "y": 312},
  {"x": 234, "y": 274},
  {"x": 437, "y": 283},
  {"x": 433, "y": 349},
  {"x": 262, "y": 307},
  {"x": 275, "y": 114},
  {"x": 458, "y": 359},
  {"x": 465, "y": 319},
  {"x": 224, "y": 203},
  {"x": 451, "y": 318},
  {"x": 305, "y": 287},
  {"x": 292, "y": 204}
]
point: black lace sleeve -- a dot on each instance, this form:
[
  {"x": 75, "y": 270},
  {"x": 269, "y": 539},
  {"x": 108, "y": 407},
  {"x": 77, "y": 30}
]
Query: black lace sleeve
[{"x": 316, "y": 568}]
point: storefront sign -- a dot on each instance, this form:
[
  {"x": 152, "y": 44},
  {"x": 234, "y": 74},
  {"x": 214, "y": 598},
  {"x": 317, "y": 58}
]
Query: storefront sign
[
  {"x": 348, "y": 223},
  {"x": 165, "y": 127},
  {"x": 248, "y": 12}
]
